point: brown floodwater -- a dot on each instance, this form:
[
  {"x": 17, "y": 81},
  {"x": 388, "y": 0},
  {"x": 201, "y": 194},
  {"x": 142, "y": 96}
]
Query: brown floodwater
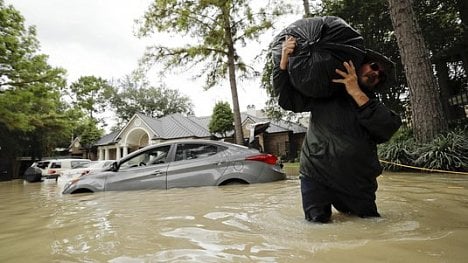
[{"x": 424, "y": 219}]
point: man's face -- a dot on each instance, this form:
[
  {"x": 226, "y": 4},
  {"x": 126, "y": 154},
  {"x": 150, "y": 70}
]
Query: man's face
[{"x": 370, "y": 74}]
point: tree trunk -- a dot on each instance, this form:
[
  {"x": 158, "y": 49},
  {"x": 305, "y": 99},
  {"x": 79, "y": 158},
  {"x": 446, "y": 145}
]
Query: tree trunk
[
  {"x": 232, "y": 81},
  {"x": 235, "y": 102},
  {"x": 306, "y": 8},
  {"x": 426, "y": 108},
  {"x": 463, "y": 9}
]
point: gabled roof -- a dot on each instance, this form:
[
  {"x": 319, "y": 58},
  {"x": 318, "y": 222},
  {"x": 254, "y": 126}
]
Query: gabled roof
[{"x": 177, "y": 126}]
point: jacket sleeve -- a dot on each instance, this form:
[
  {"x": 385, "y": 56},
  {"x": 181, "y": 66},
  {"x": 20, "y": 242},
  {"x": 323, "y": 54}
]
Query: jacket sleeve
[
  {"x": 378, "y": 120},
  {"x": 288, "y": 97}
]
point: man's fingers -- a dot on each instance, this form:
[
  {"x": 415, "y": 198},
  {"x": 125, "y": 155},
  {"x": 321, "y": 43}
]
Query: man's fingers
[
  {"x": 338, "y": 80},
  {"x": 349, "y": 67},
  {"x": 341, "y": 73}
]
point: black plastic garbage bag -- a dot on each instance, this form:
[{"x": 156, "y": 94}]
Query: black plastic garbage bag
[
  {"x": 33, "y": 174},
  {"x": 322, "y": 45}
]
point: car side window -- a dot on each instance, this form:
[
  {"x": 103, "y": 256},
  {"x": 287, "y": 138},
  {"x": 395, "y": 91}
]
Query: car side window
[
  {"x": 154, "y": 156},
  {"x": 43, "y": 165},
  {"x": 56, "y": 165},
  {"x": 79, "y": 164},
  {"x": 194, "y": 151},
  {"x": 74, "y": 164}
]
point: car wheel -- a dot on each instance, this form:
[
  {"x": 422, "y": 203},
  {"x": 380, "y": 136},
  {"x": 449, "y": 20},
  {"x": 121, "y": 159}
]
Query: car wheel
[{"x": 234, "y": 182}]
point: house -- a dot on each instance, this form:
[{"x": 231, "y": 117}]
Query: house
[{"x": 281, "y": 138}]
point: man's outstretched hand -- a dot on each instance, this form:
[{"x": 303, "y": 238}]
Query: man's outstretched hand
[{"x": 350, "y": 80}]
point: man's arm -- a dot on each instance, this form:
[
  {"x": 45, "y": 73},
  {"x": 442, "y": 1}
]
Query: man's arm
[
  {"x": 289, "y": 45},
  {"x": 288, "y": 97}
]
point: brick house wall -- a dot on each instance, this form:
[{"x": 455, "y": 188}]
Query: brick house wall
[
  {"x": 277, "y": 143},
  {"x": 285, "y": 145}
]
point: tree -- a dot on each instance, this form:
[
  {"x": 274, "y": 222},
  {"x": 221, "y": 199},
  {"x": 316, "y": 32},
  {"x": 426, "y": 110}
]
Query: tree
[
  {"x": 91, "y": 93},
  {"x": 89, "y": 133},
  {"x": 222, "y": 119},
  {"x": 33, "y": 118},
  {"x": 306, "y": 5},
  {"x": 19, "y": 63},
  {"x": 448, "y": 53},
  {"x": 372, "y": 20},
  {"x": 134, "y": 95},
  {"x": 427, "y": 118},
  {"x": 220, "y": 28}
]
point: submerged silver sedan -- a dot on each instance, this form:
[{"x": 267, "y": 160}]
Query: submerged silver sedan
[{"x": 182, "y": 163}]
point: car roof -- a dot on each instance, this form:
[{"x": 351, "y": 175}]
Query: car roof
[
  {"x": 170, "y": 142},
  {"x": 221, "y": 143}
]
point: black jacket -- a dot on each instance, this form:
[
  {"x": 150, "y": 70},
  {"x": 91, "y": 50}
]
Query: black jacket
[{"x": 340, "y": 147}]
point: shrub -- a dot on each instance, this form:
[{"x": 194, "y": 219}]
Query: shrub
[
  {"x": 396, "y": 153},
  {"x": 398, "y": 150},
  {"x": 446, "y": 152}
]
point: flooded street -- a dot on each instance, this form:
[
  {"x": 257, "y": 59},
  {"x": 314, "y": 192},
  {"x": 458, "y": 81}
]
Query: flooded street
[{"x": 424, "y": 219}]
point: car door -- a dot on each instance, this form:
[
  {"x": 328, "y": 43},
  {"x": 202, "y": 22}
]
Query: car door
[
  {"x": 196, "y": 164},
  {"x": 146, "y": 170}
]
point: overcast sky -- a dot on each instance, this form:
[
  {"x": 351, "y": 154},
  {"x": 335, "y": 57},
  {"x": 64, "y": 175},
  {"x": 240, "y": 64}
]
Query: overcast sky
[{"x": 95, "y": 37}]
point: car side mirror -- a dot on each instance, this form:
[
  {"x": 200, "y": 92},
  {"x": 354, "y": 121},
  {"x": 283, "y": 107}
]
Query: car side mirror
[{"x": 115, "y": 166}]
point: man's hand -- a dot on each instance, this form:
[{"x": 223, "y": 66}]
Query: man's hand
[
  {"x": 350, "y": 80},
  {"x": 288, "y": 48}
]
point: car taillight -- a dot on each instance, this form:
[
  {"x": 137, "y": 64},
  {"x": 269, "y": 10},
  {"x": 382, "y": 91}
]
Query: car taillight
[
  {"x": 51, "y": 171},
  {"x": 266, "y": 158}
]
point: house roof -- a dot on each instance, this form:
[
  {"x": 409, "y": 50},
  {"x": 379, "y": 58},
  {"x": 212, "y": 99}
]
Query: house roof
[
  {"x": 176, "y": 126},
  {"x": 276, "y": 126},
  {"x": 107, "y": 139}
]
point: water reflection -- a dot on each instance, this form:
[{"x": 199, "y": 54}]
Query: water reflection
[{"x": 423, "y": 220}]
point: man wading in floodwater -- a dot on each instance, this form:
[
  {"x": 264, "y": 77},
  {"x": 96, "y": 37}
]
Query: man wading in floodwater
[{"x": 339, "y": 163}]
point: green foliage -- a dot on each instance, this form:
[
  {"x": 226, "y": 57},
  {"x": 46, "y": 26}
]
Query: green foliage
[
  {"x": 446, "y": 152},
  {"x": 222, "y": 119},
  {"x": 372, "y": 20},
  {"x": 32, "y": 116},
  {"x": 91, "y": 94},
  {"x": 218, "y": 27},
  {"x": 135, "y": 95},
  {"x": 396, "y": 153},
  {"x": 88, "y": 132},
  {"x": 399, "y": 150},
  {"x": 20, "y": 65},
  {"x": 440, "y": 24}
]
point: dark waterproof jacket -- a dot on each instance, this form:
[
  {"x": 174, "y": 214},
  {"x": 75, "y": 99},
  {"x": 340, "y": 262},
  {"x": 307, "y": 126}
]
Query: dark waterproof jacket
[{"x": 340, "y": 147}]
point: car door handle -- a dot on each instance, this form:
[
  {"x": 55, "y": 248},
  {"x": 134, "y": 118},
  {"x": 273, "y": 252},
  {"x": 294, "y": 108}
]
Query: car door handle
[{"x": 157, "y": 173}]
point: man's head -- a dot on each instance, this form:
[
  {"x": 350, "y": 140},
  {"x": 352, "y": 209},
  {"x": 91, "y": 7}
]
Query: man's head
[
  {"x": 371, "y": 74},
  {"x": 377, "y": 71}
]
